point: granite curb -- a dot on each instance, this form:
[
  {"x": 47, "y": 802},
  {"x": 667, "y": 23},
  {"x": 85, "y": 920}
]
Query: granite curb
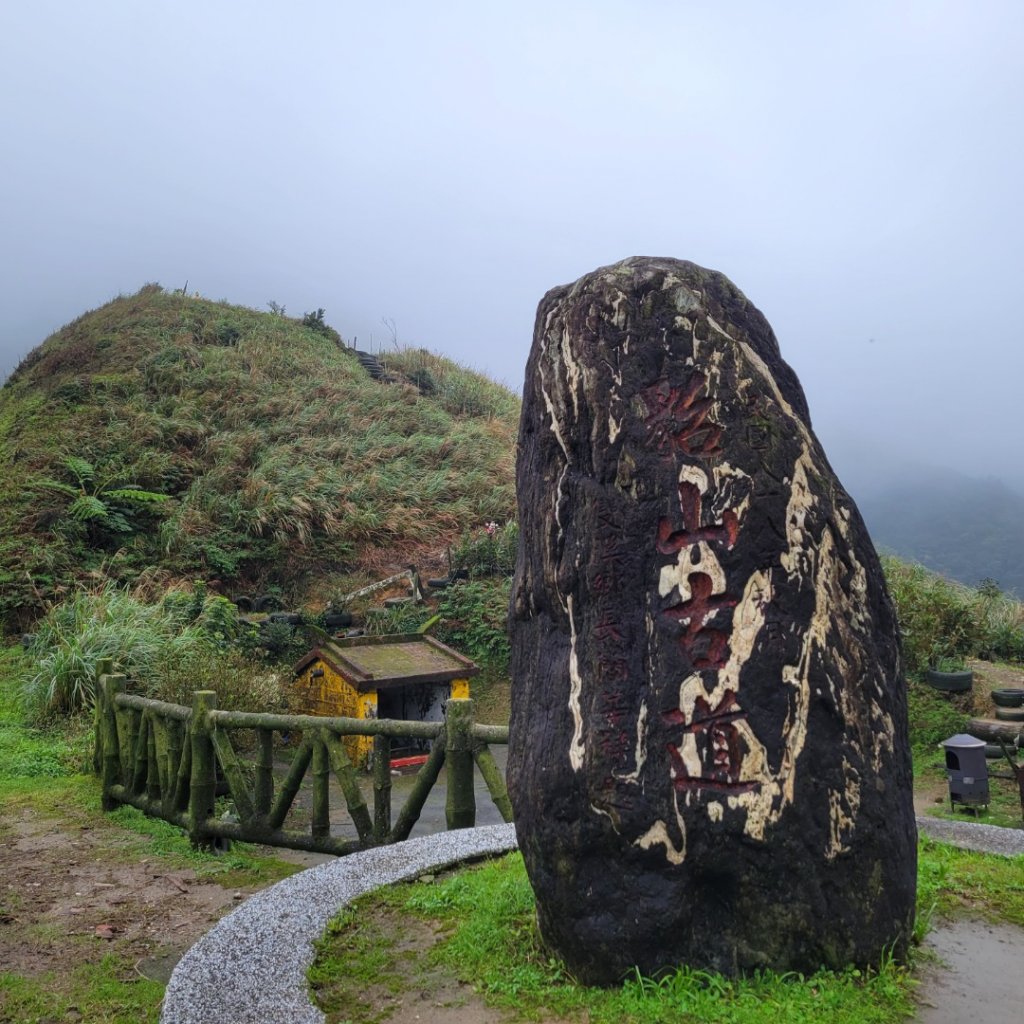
[
  {"x": 969, "y": 835},
  {"x": 250, "y": 968}
]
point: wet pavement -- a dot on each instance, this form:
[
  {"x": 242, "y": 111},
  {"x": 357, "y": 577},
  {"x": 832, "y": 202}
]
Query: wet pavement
[
  {"x": 431, "y": 819},
  {"x": 980, "y": 974}
]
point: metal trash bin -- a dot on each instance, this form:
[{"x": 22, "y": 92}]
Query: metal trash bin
[{"x": 967, "y": 771}]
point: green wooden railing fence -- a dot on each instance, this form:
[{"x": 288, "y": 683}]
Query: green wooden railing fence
[{"x": 164, "y": 759}]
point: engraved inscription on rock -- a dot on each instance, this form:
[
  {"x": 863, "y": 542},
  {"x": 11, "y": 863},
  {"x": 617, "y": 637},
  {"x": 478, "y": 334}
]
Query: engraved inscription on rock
[{"x": 709, "y": 761}]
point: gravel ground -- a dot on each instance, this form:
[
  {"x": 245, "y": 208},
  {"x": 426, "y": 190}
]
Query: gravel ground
[{"x": 251, "y": 967}]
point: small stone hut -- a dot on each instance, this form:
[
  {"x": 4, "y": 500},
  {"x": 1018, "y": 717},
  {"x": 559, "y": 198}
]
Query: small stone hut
[{"x": 404, "y": 676}]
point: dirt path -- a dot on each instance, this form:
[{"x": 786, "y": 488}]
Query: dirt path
[{"x": 73, "y": 890}]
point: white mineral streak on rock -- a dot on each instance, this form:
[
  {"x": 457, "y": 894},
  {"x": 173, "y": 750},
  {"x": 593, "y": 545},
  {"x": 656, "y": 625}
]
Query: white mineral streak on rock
[
  {"x": 748, "y": 619},
  {"x": 640, "y": 753},
  {"x": 882, "y": 734},
  {"x": 615, "y": 425},
  {"x": 857, "y": 584},
  {"x": 575, "y": 681},
  {"x": 730, "y": 482},
  {"x": 556, "y": 427},
  {"x": 798, "y": 562},
  {"x": 842, "y": 819},
  {"x": 575, "y": 689},
  {"x": 574, "y": 371},
  {"x": 658, "y": 833},
  {"x": 620, "y": 313}
]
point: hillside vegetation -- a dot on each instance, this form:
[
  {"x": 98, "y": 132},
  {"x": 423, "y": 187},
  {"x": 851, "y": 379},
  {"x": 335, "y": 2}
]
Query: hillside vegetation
[{"x": 168, "y": 435}]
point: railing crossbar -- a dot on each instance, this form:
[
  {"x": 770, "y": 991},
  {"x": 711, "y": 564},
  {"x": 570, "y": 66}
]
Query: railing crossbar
[{"x": 339, "y": 726}]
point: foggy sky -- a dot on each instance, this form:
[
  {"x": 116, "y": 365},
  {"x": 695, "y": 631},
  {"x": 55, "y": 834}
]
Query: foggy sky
[{"x": 855, "y": 168}]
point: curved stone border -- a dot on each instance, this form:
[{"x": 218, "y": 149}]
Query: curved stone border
[
  {"x": 251, "y": 967},
  {"x": 969, "y": 835}
]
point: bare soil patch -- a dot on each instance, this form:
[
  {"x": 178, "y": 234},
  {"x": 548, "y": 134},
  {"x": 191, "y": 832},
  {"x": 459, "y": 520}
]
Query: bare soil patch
[{"x": 72, "y": 892}]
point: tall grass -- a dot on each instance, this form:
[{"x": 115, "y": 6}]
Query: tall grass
[
  {"x": 167, "y": 649},
  {"x": 945, "y": 621}
]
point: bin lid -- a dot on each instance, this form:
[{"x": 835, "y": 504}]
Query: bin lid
[{"x": 962, "y": 740}]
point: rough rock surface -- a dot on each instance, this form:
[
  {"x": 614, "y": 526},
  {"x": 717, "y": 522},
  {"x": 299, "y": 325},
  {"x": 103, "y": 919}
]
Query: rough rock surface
[{"x": 709, "y": 761}]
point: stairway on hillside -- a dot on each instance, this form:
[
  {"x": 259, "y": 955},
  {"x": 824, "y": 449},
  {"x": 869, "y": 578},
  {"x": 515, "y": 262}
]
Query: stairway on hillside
[{"x": 370, "y": 363}]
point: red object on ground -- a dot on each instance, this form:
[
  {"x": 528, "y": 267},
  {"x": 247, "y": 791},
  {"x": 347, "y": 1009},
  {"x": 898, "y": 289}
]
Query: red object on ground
[{"x": 409, "y": 762}]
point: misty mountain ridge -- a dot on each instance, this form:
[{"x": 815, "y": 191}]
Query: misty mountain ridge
[{"x": 968, "y": 529}]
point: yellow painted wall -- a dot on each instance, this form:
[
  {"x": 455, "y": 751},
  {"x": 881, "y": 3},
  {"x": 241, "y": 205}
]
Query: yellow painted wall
[{"x": 331, "y": 696}]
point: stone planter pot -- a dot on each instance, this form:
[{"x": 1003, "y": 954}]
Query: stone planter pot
[
  {"x": 1010, "y": 698},
  {"x": 950, "y": 682}
]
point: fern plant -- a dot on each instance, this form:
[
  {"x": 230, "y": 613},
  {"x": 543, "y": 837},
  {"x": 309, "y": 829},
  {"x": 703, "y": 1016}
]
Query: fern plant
[{"x": 101, "y": 502}]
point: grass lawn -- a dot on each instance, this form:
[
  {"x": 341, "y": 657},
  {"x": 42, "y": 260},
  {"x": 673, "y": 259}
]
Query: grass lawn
[{"x": 475, "y": 929}]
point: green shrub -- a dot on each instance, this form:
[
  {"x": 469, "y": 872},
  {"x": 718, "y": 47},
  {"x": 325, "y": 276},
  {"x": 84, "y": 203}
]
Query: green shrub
[
  {"x": 315, "y": 322},
  {"x": 226, "y": 333},
  {"x": 488, "y": 551},
  {"x": 933, "y": 716},
  {"x": 88, "y": 627},
  {"x": 474, "y": 620},
  {"x": 26, "y": 752},
  {"x": 945, "y": 622},
  {"x": 402, "y": 618},
  {"x": 241, "y": 684}
]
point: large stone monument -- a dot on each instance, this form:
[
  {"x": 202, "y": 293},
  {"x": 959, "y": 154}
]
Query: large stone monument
[{"x": 708, "y": 760}]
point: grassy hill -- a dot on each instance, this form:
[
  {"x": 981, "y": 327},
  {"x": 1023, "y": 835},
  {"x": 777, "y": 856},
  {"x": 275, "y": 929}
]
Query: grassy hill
[{"x": 184, "y": 438}]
